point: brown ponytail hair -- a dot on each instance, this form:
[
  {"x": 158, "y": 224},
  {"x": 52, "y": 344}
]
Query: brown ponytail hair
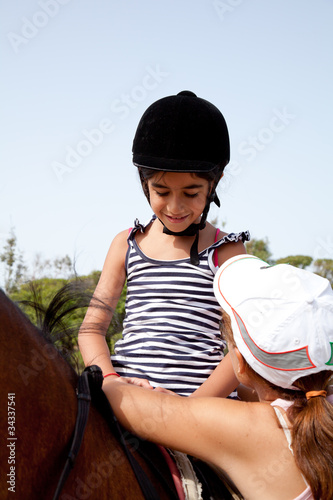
[{"x": 312, "y": 434}]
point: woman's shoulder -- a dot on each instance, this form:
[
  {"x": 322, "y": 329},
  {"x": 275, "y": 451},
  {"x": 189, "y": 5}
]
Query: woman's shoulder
[
  {"x": 245, "y": 417},
  {"x": 253, "y": 424}
]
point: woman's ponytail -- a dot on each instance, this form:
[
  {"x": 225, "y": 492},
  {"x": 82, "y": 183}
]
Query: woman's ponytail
[{"x": 312, "y": 433}]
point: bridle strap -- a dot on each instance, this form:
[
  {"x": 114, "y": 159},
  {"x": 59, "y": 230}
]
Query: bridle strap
[
  {"x": 83, "y": 393},
  {"x": 102, "y": 403},
  {"x": 90, "y": 385}
]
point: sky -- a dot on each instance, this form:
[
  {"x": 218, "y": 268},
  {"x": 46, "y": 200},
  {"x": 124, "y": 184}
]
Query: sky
[{"x": 77, "y": 75}]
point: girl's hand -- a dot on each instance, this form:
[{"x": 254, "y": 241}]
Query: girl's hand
[
  {"x": 166, "y": 391},
  {"x": 141, "y": 382}
]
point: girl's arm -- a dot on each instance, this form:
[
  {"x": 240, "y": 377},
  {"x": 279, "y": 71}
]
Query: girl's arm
[
  {"x": 220, "y": 383},
  {"x": 229, "y": 250},
  {"x": 223, "y": 382},
  {"x": 92, "y": 342},
  {"x": 91, "y": 339}
]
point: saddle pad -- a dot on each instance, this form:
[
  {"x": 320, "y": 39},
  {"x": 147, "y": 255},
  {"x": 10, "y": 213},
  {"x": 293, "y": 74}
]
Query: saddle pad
[
  {"x": 197, "y": 480},
  {"x": 191, "y": 485}
]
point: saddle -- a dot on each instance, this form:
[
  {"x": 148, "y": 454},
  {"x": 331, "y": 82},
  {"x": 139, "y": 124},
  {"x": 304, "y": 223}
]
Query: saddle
[
  {"x": 193, "y": 479},
  {"x": 187, "y": 478}
]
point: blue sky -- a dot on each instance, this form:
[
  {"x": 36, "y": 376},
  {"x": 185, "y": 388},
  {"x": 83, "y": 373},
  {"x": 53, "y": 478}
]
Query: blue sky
[{"x": 77, "y": 76}]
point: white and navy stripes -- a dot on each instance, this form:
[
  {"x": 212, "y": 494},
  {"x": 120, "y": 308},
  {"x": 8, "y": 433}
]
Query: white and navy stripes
[{"x": 171, "y": 330}]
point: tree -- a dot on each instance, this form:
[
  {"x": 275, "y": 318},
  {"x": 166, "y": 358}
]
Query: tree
[
  {"x": 324, "y": 267},
  {"x": 63, "y": 266},
  {"x": 260, "y": 249},
  {"x": 60, "y": 267},
  {"x": 216, "y": 223},
  {"x": 16, "y": 272},
  {"x": 301, "y": 261},
  {"x": 15, "y": 269}
]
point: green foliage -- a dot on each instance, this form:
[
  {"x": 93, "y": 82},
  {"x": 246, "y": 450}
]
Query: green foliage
[
  {"x": 35, "y": 297},
  {"x": 40, "y": 291},
  {"x": 260, "y": 249},
  {"x": 301, "y": 261}
]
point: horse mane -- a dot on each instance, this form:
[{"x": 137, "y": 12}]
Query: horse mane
[{"x": 57, "y": 321}]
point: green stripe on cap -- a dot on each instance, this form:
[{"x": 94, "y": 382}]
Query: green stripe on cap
[{"x": 330, "y": 361}]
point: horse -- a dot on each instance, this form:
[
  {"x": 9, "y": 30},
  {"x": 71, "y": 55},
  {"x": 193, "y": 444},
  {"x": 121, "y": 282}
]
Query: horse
[{"x": 37, "y": 421}]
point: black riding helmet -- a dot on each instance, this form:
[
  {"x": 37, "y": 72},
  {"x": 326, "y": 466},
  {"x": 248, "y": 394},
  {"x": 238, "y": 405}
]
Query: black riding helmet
[{"x": 183, "y": 133}]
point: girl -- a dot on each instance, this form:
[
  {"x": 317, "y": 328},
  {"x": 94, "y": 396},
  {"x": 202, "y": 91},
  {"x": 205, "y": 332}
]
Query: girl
[
  {"x": 171, "y": 332},
  {"x": 281, "y": 344}
]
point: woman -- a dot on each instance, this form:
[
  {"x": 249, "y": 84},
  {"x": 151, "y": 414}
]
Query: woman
[{"x": 281, "y": 345}]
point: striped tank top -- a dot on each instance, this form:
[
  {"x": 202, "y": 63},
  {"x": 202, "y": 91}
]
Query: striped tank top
[{"x": 171, "y": 330}]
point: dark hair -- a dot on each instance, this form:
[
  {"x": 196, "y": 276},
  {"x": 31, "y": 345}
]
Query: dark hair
[
  {"x": 213, "y": 176},
  {"x": 312, "y": 423}
]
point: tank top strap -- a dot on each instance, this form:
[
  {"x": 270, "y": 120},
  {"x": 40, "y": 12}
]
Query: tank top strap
[
  {"x": 284, "y": 426},
  {"x": 228, "y": 238},
  {"x": 306, "y": 495},
  {"x": 216, "y": 259},
  {"x": 138, "y": 227}
]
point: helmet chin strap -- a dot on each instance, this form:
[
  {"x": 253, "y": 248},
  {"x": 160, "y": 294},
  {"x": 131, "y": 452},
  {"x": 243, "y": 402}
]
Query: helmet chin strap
[{"x": 193, "y": 229}]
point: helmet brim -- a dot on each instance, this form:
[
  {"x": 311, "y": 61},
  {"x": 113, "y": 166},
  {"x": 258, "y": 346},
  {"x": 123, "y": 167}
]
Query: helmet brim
[{"x": 172, "y": 165}]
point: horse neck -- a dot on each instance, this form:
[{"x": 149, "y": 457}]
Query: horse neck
[
  {"x": 43, "y": 385},
  {"x": 34, "y": 362}
]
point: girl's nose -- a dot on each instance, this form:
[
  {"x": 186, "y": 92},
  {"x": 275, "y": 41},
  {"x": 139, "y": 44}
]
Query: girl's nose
[{"x": 175, "y": 204}]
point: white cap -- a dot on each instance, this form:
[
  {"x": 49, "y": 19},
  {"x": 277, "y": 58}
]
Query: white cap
[{"x": 282, "y": 317}]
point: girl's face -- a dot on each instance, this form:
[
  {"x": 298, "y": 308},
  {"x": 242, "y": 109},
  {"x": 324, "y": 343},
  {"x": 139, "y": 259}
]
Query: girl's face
[{"x": 178, "y": 199}]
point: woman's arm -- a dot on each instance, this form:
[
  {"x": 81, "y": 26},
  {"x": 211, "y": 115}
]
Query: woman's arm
[{"x": 212, "y": 429}]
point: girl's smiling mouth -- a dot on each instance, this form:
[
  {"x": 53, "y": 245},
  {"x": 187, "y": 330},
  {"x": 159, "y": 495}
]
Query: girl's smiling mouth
[{"x": 176, "y": 220}]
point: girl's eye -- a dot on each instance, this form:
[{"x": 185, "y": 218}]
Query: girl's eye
[{"x": 166, "y": 193}]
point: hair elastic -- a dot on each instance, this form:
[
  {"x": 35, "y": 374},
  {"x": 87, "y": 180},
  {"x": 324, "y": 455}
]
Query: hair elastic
[
  {"x": 314, "y": 394},
  {"x": 113, "y": 373}
]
